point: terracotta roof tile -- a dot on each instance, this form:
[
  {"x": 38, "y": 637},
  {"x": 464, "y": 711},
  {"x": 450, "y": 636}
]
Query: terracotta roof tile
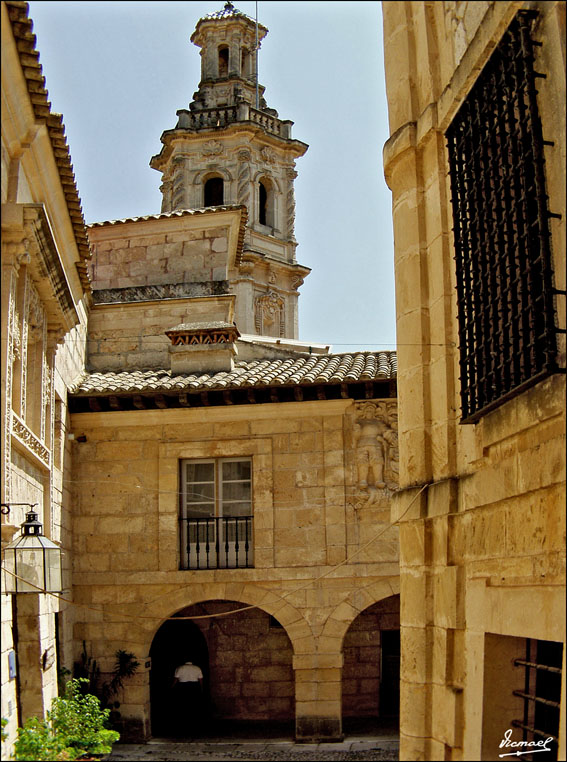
[{"x": 301, "y": 371}]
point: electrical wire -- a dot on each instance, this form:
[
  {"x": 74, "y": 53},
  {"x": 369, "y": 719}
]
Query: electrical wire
[{"x": 308, "y": 584}]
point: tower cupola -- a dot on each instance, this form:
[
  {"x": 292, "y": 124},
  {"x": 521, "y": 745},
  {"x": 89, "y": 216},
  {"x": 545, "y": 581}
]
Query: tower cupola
[{"x": 228, "y": 147}]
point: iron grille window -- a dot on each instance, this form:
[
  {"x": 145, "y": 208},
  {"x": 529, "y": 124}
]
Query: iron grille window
[
  {"x": 541, "y": 694},
  {"x": 216, "y": 514},
  {"x": 501, "y": 228}
]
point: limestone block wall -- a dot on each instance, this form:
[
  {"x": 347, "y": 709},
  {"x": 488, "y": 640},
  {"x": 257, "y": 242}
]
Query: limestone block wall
[
  {"x": 481, "y": 506},
  {"x": 126, "y": 548},
  {"x": 151, "y": 256}
]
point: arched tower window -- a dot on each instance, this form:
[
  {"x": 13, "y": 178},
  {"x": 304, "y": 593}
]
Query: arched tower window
[
  {"x": 263, "y": 204},
  {"x": 214, "y": 192},
  {"x": 266, "y": 203},
  {"x": 223, "y": 61},
  {"x": 245, "y": 63}
]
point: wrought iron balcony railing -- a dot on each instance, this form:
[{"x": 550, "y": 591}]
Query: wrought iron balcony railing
[{"x": 217, "y": 543}]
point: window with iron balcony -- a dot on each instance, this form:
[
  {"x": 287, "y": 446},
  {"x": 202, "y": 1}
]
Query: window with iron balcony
[
  {"x": 216, "y": 514},
  {"x": 505, "y": 292}
]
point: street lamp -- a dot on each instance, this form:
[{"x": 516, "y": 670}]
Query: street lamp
[{"x": 32, "y": 561}]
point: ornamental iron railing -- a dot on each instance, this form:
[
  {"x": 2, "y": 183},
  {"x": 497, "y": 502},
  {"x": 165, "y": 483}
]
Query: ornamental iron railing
[{"x": 217, "y": 542}]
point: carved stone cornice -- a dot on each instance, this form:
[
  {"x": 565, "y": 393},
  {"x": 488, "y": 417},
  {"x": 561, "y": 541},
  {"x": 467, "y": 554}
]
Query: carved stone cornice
[
  {"x": 25, "y": 437},
  {"x": 30, "y": 242}
]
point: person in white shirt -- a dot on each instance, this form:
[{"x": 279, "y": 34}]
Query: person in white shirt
[{"x": 188, "y": 686}]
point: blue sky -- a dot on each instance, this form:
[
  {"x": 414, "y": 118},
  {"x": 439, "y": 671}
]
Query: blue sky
[{"x": 118, "y": 72}]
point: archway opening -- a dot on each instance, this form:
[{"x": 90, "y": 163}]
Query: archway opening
[
  {"x": 371, "y": 669},
  {"x": 173, "y": 644},
  {"x": 223, "y": 61},
  {"x": 266, "y": 202},
  {"x": 246, "y": 659},
  {"x": 214, "y": 192}
]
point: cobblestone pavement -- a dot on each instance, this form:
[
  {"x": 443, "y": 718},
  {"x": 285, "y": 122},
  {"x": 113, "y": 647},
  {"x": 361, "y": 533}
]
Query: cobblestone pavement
[{"x": 352, "y": 750}]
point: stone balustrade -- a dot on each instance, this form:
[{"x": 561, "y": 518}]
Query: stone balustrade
[{"x": 224, "y": 115}]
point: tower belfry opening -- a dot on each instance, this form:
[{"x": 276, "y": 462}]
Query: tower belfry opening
[{"x": 229, "y": 149}]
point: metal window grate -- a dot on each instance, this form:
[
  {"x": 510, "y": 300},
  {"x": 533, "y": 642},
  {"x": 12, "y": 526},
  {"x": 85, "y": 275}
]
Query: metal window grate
[
  {"x": 501, "y": 230},
  {"x": 541, "y": 696}
]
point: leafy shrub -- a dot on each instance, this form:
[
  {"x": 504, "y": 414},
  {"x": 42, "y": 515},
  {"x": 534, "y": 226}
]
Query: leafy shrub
[
  {"x": 79, "y": 719},
  {"x": 36, "y": 742},
  {"x": 74, "y": 726}
]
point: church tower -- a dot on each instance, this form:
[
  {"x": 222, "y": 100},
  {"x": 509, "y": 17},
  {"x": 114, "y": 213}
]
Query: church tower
[{"x": 229, "y": 148}]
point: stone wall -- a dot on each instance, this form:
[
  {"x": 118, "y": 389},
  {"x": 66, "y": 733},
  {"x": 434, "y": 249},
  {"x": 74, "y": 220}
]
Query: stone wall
[
  {"x": 158, "y": 257},
  {"x": 482, "y": 506}
]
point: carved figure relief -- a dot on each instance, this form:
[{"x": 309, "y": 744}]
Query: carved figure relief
[
  {"x": 268, "y": 155},
  {"x": 35, "y": 315},
  {"x": 375, "y": 451},
  {"x": 14, "y": 322},
  {"x": 269, "y": 314}
]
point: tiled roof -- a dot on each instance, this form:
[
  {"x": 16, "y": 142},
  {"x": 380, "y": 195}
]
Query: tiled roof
[
  {"x": 228, "y": 12},
  {"x": 175, "y": 213},
  {"x": 301, "y": 370},
  {"x": 22, "y": 27}
]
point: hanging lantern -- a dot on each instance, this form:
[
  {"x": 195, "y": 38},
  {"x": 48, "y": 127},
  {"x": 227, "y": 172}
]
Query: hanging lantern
[{"x": 32, "y": 561}]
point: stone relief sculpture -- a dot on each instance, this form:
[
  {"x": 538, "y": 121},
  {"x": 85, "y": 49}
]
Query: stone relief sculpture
[
  {"x": 375, "y": 452},
  {"x": 212, "y": 148},
  {"x": 268, "y": 156},
  {"x": 269, "y": 314}
]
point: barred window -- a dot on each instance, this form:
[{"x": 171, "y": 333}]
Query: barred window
[{"x": 505, "y": 291}]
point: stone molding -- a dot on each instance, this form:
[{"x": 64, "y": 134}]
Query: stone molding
[{"x": 28, "y": 439}]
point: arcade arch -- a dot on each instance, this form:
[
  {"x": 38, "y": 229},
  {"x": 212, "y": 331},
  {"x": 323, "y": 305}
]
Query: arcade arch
[{"x": 371, "y": 664}]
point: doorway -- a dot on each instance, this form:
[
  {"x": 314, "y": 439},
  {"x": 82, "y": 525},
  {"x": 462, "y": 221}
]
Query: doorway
[{"x": 174, "y": 643}]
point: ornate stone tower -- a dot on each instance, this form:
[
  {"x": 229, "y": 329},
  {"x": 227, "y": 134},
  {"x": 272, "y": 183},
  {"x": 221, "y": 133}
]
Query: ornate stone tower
[{"x": 229, "y": 148}]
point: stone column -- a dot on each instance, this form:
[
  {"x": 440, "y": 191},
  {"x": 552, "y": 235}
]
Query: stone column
[{"x": 318, "y": 697}]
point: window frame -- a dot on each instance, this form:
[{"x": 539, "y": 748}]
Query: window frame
[{"x": 218, "y": 506}]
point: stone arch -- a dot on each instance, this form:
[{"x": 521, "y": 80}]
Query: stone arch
[
  {"x": 294, "y": 623},
  {"x": 370, "y": 679},
  {"x": 249, "y": 664},
  {"x": 203, "y": 175},
  {"x": 267, "y": 177},
  {"x": 354, "y": 604}
]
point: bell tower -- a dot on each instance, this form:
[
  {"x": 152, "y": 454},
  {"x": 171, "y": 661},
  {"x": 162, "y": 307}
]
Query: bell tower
[{"x": 229, "y": 148}]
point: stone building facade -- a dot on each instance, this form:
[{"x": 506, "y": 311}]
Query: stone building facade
[
  {"x": 45, "y": 300},
  {"x": 195, "y": 372},
  {"x": 476, "y": 159},
  {"x": 199, "y": 458}
]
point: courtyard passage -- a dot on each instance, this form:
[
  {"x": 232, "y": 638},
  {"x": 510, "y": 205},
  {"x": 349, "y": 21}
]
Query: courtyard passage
[{"x": 352, "y": 749}]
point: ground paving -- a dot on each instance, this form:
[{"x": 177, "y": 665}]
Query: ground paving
[{"x": 352, "y": 749}]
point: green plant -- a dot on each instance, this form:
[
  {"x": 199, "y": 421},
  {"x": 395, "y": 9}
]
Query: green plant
[
  {"x": 76, "y": 725},
  {"x": 4, "y": 723},
  {"x": 124, "y": 666},
  {"x": 79, "y": 720},
  {"x": 89, "y": 669},
  {"x": 36, "y": 741}
]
